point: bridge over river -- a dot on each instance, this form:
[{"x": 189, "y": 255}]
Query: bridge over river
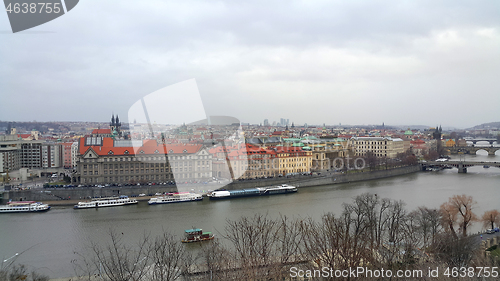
[
  {"x": 460, "y": 165},
  {"x": 472, "y": 149}
]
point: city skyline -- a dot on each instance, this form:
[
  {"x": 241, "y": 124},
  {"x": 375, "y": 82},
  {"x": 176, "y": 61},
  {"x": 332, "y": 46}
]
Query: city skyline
[
  {"x": 270, "y": 123},
  {"x": 315, "y": 63}
]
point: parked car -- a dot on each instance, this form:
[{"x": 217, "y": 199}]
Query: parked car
[{"x": 490, "y": 231}]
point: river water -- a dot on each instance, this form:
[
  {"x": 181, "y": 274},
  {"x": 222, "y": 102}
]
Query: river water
[{"x": 47, "y": 241}]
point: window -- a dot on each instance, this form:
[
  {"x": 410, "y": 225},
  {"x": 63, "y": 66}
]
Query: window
[{"x": 110, "y": 152}]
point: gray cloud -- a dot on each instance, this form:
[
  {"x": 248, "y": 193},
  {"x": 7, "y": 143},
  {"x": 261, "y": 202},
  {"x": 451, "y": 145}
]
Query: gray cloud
[{"x": 354, "y": 62}]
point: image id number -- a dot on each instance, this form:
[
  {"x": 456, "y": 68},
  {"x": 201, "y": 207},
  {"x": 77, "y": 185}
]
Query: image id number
[{"x": 33, "y": 8}]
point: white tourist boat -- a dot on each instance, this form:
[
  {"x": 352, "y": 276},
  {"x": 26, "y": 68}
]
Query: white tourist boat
[
  {"x": 24, "y": 207},
  {"x": 175, "y": 198},
  {"x": 106, "y": 202}
]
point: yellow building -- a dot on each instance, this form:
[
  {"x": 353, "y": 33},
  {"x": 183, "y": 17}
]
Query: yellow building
[
  {"x": 293, "y": 160},
  {"x": 449, "y": 143}
]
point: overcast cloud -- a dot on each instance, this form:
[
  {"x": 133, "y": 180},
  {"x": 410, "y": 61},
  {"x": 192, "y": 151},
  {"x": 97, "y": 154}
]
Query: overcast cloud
[{"x": 315, "y": 62}]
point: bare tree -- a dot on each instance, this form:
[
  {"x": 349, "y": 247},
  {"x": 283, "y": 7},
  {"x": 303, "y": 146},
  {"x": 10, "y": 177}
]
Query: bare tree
[
  {"x": 413, "y": 236},
  {"x": 454, "y": 252},
  {"x": 463, "y": 205},
  {"x": 14, "y": 272},
  {"x": 288, "y": 247},
  {"x": 168, "y": 257},
  {"x": 396, "y": 218},
  {"x": 217, "y": 261},
  {"x": 373, "y": 212},
  {"x": 449, "y": 218},
  {"x": 490, "y": 218},
  {"x": 371, "y": 159},
  {"x": 429, "y": 225},
  {"x": 118, "y": 261},
  {"x": 254, "y": 240}
]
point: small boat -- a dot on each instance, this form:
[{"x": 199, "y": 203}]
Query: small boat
[
  {"x": 24, "y": 207},
  {"x": 196, "y": 235},
  {"x": 106, "y": 202},
  {"x": 486, "y": 166},
  {"x": 175, "y": 198}
]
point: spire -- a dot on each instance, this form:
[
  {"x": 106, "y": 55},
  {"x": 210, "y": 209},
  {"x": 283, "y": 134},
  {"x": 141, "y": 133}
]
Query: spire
[
  {"x": 112, "y": 120},
  {"x": 117, "y": 121}
]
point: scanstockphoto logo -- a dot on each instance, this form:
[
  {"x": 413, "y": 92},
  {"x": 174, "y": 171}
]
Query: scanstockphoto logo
[
  {"x": 25, "y": 14},
  {"x": 168, "y": 119}
]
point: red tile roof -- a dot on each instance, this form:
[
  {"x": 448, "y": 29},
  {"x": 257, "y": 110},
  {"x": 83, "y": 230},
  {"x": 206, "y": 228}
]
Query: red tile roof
[
  {"x": 149, "y": 147},
  {"x": 417, "y": 141},
  {"x": 242, "y": 149},
  {"x": 101, "y": 132}
]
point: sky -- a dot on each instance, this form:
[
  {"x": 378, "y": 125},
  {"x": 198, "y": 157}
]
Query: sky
[{"x": 315, "y": 62}]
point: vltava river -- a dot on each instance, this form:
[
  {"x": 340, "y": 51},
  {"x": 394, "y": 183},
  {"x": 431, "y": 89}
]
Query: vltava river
[{"x": 47, "y": 241}]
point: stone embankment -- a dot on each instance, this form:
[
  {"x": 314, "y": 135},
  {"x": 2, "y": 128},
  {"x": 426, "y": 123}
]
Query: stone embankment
[
  {"x": 326, "y": 178},
  {"x": 72, "y": 195}
]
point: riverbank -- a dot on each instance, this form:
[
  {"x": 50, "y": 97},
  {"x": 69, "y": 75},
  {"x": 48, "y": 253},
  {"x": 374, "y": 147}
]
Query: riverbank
[
  {"x": 71, "y": 196},
  {"x": 326, "y": 178}
]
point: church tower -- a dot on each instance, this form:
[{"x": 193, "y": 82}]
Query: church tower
[{"x": 115, "y": 125}]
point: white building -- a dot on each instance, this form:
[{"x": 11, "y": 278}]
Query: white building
[
  {"x": 380, "y": 146},
  {"x": 74, "y": 154}
]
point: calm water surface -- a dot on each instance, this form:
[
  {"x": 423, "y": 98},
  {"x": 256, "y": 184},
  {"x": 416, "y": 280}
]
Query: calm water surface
[{"x": 48, "y": 240}]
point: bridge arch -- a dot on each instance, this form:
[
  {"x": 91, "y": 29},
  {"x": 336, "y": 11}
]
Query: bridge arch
[
  {"x": 488, "y": 150},
  {"x": 483, "y": 151},
  {"x": 484, "y": 142}
]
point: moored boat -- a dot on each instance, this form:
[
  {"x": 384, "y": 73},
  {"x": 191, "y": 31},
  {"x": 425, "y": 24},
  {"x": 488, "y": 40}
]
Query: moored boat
[
  {"x": 106, "y": 202},
  {"x": 175, "y": 198},
  {"x": 281, "y": 189},
  {"x": 24, "y": 207},
  {"x": 258, "y": 191},
  {"x": 196, "y": 235}
]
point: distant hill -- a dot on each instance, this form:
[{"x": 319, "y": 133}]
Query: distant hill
[{"x": 491, "y": 125}]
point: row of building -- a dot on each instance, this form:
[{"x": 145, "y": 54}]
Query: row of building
[
  {"x": 195, "y": 154},
  {"x": 104, "y": 159},
  {"x": 16, "y": 153}
]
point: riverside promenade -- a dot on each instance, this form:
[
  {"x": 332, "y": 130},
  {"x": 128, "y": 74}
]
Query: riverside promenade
[{"x": 71, "y": 196}]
